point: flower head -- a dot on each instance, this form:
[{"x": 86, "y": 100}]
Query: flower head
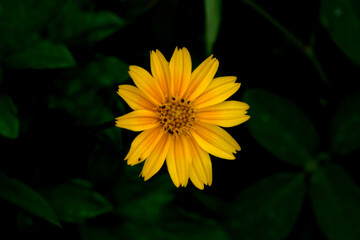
[{"x": 180, "y": 113}]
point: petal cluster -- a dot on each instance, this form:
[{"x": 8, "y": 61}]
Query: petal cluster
[{"x": 179, "y": 113}]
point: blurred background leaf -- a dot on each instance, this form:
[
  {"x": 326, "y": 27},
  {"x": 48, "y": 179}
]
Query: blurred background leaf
[
  {"x": 345, "y": 131},
  {"x": 210, "y": 202},
  {"x": 193, "y": 226},
  {"x": 9, "y": 122},
  {"x": 21, "y": 22},
  {"x": 342, "y": 19},
  {"x": 76, "y": 201},
  {"x": 76, "y": 23},
  {"x": 22, "y": 195},
  {"x": 91, "y": 88},
  {"x": 43, "y": 55},
  {"x": 212, "y": 23},
  {"x": 134, "y": 205},
  {"x": 268, "y": 209},
  {"x": 280, "y": 127},
  {"x": 336, "y": 202}
]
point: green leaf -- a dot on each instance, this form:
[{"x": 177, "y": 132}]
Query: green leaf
[
  {"x": 268, "y": 209},
  {"x": 90, "y": 95},
  {"x": 280, "y": 127},
  {"x": 212, "y": 22},
  {"x": 78, "y": 27},
  {"x": 193, "y": 226},
  {"x": 179, "y": 227},
  {"x": 147, "y": 207},
  {"x": 211, "y": 203},
  {"x": 101, "y": 25},
  {"x": 144, "y": 201},
  {"x": 1, "y": 75},
  {"x": 107, "y": 72},
  {"x": 336, "y": 202},
  {"x": 76, "y": 201},
  {"x": 18, "y": 193},
  {"x": 345, "y": 131},
  {"x": 9, "y": 122},
  {"x": 21, "y": 22},
  {"x": 342, "y": 19},
  {"x": 43, "y": 55}
]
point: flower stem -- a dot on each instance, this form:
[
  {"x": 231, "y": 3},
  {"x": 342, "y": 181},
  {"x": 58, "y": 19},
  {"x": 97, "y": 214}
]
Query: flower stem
[{"x": 307, "y": 50}]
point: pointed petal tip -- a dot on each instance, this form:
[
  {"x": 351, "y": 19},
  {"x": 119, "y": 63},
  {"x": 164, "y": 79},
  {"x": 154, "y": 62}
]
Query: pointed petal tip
[
  {"x": 185, "y": 183},
  {"x": 177, "y": 184},
  {"x": 144, "y": 176},
  {"x": 200, "y": 187},
  {"x": 185, "y": 50},
  {"x": 246, "y": 106},
  {"x": 157, "y": 51}
]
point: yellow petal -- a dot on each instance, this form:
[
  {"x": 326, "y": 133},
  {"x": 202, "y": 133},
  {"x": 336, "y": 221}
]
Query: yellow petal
[
  {"x": 201, "y": 78},
  {"x": 160, "y": 71},
  {"x": 143, "y": 145},
  {"x": 147, "y": 84},
  {"x": 201, "y": 163},
  {"x": 215, "y": 140},
  {"x": 179, "y": 160},
  {"x": 138, "y": 120},
  {"x": 218, "y": 91},
  {"x": 157, "y": 157},
  {"x": 134, "y": 97},
  {"x": 225, "y": 114},
  {"x": 180, "y": 71},
  {"x": 195, "y": 179},
  {"x": 171, "y": 164},
  {"x": 184, "y": 158}
]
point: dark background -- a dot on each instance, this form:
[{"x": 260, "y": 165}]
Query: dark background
[{"x": 62, "y": 174}]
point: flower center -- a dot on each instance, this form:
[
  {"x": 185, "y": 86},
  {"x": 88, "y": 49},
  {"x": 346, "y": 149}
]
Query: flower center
[{"x": 177, "y": 116}]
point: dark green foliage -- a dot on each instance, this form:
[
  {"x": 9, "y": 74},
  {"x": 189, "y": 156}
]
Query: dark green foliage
[
  {"x": 269, "y": 208},
  {"x": 212, "y": 23},
  {"x": 342, "y": 19},
  {"x": 335, "y": 197},
  {"x": 18, "y": 193},
  {"x": 9, "y": 122},
  {"x": 345, "y": 131},
  {"x": 22, "y": 21},
  {"x": 184, "y": 226},
  {"x": 336, "y": 201},
  {"x": 76, "y": 201},
  {"x": 75, "y": 25},
  {"x": 279, "y": 126},
  {"x": 42, "y": 55},
  {"x": 90, "y": 89}
]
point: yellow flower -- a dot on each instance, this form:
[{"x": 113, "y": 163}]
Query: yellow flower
[{"x": 179, "y": 112}]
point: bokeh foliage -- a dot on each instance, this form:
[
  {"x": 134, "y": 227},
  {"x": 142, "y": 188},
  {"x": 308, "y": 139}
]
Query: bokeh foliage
[
  {"x": 62, "y": 174},
  {"x": 334, "y": 196}
]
